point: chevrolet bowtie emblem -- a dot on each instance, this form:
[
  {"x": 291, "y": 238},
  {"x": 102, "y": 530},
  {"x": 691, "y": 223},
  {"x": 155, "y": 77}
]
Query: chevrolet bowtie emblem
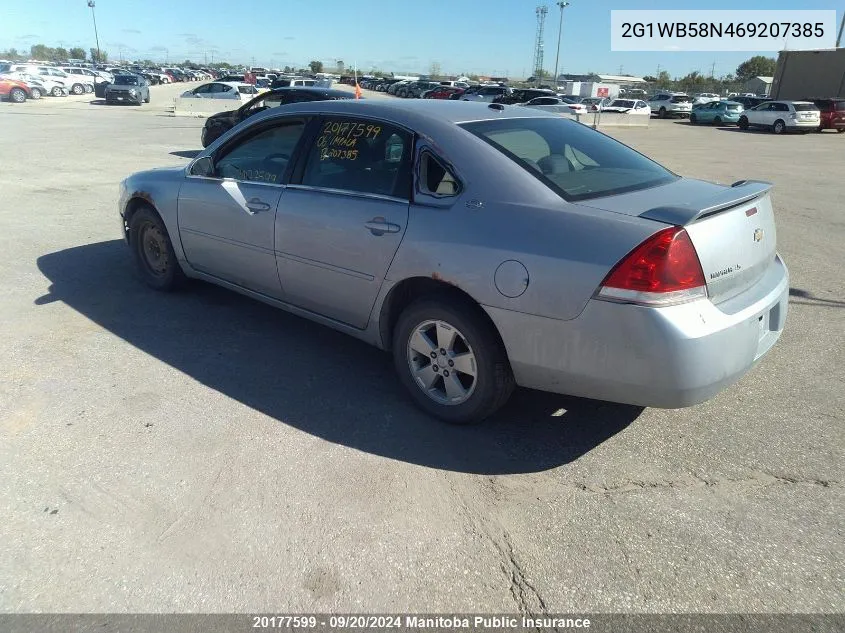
[{"x": 758, "y": 235}]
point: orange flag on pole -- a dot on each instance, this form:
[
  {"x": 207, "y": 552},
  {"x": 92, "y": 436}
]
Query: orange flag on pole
[{"x": 357, "y": 87}]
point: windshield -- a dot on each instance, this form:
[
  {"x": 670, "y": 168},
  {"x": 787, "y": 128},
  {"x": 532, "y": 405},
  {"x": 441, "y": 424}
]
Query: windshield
[
  {"x": 571, "y": 159},
  {"x": 622, "y": 103},
  {"x": 126, "y": 80}
]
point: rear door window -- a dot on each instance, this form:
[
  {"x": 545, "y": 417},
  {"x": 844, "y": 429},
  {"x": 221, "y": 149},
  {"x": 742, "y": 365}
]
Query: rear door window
[
  {"x": 680, "y": 99},
  {"x": 571, "y": 159},
  {"x": 360, "y": 155},
  {"x": 805, "y": 107}
]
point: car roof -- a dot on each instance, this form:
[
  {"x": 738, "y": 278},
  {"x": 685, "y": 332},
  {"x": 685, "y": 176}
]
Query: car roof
[
  {"x": 412, "y": 113},
  {"x": 316, "y": 90}
]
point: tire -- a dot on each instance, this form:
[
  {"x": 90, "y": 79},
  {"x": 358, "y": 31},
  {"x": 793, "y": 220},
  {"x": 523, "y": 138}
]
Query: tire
[
  {"x": 89, "y": 89},
  {"x": 153, "y": 252},
  {"x": 57, "y": 92},
  {"x": 662, "y": 113},
  {"x": 485, "y": 392},
  {"x": 77, "y": 89},
  {"x": 743, "y": 123},
  {"x": 717, "y": 121},
  {"x": 36, "y": 93},
  {"x": 147, "y": 98},
  {"x": 693, "y": 119},
  {"x": 840, "y": 130},
  {"x": 779, "y": 127},
  {"x": 17, "y": 95}
]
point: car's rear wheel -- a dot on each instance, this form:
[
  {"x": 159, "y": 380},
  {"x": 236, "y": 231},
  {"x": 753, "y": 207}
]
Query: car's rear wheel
[
  {"x": 779, "y": 127},
  {"x": 56, "y": 92},
  {"x": 89, "y": 88},
  {"x": 718, "y": 120},
  {"x": 77, "y": 89},
  {"x": 36, "y": 93},
  {"x": 153, "y": 251},
  {"x": 693, "y": 119},
  {"x": 451, "y": 360},
  {"x": 662, "y": 113},
  {"x": 743, "y": 123},
  {"x": 17, "y": 95}
]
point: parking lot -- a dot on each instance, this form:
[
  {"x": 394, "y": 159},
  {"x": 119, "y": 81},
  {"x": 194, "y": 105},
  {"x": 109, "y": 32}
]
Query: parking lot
[{"x": 203, "y": 452}]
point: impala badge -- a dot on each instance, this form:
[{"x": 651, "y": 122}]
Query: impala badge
[{"x": 758, "y": 235}]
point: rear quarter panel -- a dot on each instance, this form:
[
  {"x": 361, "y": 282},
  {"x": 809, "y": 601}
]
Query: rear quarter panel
[{"x": 567, "y": 249}]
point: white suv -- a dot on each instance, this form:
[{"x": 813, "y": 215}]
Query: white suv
[
  {"x": 86, "y": 73},
  {"x": 76, "y": 84},
  {"x": 666, "y": 104},
  {"x": 780, "y": 116}
]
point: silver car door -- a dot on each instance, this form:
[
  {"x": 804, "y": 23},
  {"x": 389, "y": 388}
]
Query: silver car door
[
  {"x": 338, "y": 229},
  {"x": 227, "y": 217}
]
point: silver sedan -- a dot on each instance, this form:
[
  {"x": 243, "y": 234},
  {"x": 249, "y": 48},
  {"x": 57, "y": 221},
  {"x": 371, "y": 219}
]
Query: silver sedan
[{"x": 485, "y": 246}]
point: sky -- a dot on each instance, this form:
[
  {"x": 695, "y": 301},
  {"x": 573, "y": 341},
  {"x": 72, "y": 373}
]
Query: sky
[{"x": 493, "y": 37}]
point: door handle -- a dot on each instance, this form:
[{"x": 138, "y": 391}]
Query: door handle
[
  {"x": 255, "y": 205},
  {"x": 380, "y": 226}
]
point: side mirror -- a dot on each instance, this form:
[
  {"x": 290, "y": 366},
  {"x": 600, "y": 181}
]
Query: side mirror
[{"x": 203, "y": 167}]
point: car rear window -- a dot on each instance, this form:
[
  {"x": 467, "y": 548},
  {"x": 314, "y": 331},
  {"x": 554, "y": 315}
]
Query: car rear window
[
  {"x": 839, "y": 106},
  {"x": 805, "y": 107},
  {"x": 680, "y": 99},
  {"x": 573, "y": 160},
  {"x": 734, "y": 106}
]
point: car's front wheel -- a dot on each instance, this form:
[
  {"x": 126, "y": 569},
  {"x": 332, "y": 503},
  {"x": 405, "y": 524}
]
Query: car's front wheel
[
  {"x": 36, "y": 93},
  {"x": 17, "y": 95},
  {"x": 662, "y": 113},
  {"x": 717, "y": 120},
  {"x": 743, "y": 123},
  {"x": 89, "y": 88},
  {"x": 779, "y": 127},
  {"x": 56, "y": 92},
  {"x": 153, "y": 251},
  {"x": 451, "y": 360},
  {"x": 77, "y": 89}
]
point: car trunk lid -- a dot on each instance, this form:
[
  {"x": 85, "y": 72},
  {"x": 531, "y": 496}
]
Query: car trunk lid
[{"x": 732, "y": 228}]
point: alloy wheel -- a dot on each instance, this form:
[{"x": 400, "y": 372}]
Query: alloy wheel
[{"x": 442, "y": 362}]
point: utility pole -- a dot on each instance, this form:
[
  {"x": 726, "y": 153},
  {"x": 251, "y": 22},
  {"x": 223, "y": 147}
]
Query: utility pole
[
  {"x": 713, "y": 71},
  {"x": 562, "y": 6},
  {"x": 96, "y": 36},
  {"x": 621, "y": 68}
]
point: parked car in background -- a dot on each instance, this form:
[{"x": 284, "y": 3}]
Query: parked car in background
[
  {"x": 92, "y": 75},
  {"x": 14, "y": 90},
  {"x": 627, "y": 106},
  {"x": 76, "y": 84},
  {"x": 556, "y": 104},
  {"x": 289, "y": 82},
  {"x": 444, "y": 92},
  {"x": 485, "y": 93},
  {"x": 392, "y": 88},
  {"x": 705, "y": 97},
  {"x": 716, "y": 112},
  {"x": 670, "y": 104},
  {"x": 782, "y": 116},
  {"x": 218, "y": 124},
  {"x": 748, "y": 102},
  {"x": 595, "y": 104},
  {"x": 522, "y": 95},
  {"x": 128, "y": 89},
  {"x": 831, "y": 114},
  {"x": 39, "y": 85},
  {"x": 222, "y": 90},
  {"x": 652, "y": 313}
]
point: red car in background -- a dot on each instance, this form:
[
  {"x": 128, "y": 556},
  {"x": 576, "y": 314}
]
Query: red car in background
[
  {"x": 832, "y": 114},
  {"x": 14, "y": 90},
  {"x": 444, "y": 92}
]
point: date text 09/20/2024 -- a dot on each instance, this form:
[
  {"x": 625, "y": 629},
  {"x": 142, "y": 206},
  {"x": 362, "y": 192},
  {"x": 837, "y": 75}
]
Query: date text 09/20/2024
[{"x": 418, "y": 622}]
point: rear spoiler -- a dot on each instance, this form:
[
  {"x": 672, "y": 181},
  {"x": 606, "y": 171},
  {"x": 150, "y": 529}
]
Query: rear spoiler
[{"x": 739, "y": 193}]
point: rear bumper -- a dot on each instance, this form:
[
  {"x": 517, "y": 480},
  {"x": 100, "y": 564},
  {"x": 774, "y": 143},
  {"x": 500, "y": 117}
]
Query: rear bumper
[
  {"x": 668, "y": 357},
  {"x": 803, "y": 125}
]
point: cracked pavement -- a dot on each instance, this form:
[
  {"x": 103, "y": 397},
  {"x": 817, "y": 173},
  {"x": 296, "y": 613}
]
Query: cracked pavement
[{"x": 203, "y": 452}]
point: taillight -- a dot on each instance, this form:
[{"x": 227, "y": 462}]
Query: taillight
[{"x": 663, "y": 270}]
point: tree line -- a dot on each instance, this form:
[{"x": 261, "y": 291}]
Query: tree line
[
  {"x": 757, "y": 66},
  {"x": 57, "y": 54}
]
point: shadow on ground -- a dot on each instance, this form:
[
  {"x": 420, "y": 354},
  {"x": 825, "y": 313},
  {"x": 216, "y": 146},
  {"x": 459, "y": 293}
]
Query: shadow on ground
[
  {"x": 804, "y": 297},
  {"x": 315, "y": 379}
]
